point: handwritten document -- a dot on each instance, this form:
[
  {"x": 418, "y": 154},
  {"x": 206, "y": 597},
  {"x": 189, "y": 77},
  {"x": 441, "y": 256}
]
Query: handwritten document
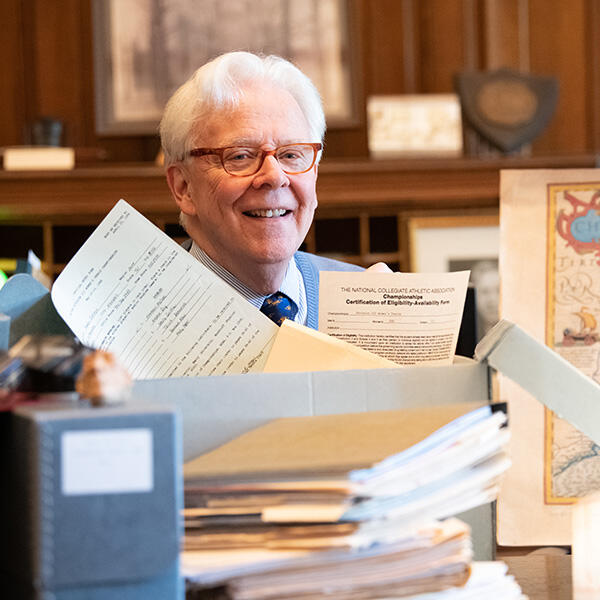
[
  {"x": 408, "y": 318},
  {"x": 132, "y": 290}
]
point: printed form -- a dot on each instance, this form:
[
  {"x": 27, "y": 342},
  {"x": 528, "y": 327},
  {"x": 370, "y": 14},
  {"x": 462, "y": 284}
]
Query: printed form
[
  {"x": 132, "y": 290},
  {"x": 408, "y": 318}
]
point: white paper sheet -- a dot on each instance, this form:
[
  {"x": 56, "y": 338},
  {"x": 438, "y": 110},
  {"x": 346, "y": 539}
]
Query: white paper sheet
[
  {"x": 408, "y": 318},
  {"x": 132, "y": 290}
]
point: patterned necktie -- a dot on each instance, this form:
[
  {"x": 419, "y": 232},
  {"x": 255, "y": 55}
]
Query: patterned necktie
[{"x": 278, "y": 307}]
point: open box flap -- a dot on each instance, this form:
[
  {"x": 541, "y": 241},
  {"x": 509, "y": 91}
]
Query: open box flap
[
  {"x": 26, "y": 308},
  {"x": 545, "y": 374}
]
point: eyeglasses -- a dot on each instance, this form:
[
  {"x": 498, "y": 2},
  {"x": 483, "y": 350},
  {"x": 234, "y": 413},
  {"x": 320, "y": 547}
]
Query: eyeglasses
[{"x": 242, "y": 161}]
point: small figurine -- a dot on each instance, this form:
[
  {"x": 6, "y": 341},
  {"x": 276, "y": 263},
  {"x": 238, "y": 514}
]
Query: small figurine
[{"x": 103, "y": 380}]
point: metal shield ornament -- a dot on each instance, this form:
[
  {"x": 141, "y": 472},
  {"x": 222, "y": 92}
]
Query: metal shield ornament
[{"x": 507, "y": 108}]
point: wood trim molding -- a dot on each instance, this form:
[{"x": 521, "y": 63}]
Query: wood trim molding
[{"x": 89, "y": 193}]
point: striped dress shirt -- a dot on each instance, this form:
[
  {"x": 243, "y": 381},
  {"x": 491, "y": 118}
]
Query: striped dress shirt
[{"x": 292, "y": 284}]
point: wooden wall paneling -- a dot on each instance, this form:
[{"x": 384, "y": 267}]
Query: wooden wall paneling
[
  {"x": 403, "y": 241},
  {"x": 473, "y": 60},
  {"x": 364, "y": 233},
  {"x": 86, "y": 74},
  {"x": 441, "y": 45},
  {"x": 472, "y": 37},
  {"x": 401, "y": 46},
  {"x": 410, "y": 46},
  {"x": 12, "y": 73},
  {"x": 592, "y": 37},
  {"x": 558, "y": 47},
  {"x": 506, "y": 34},
  {"x": 56, "y": 37},
  {"x": 387, "y": 70},
  {"x": 48, "y": 258}
]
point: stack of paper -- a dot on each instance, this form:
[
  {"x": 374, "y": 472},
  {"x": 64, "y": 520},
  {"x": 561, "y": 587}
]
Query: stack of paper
[
  {"x": 344, "y": 503},
  {"x": 487, "y": 580},
  {"x": 428, "y": 559}
]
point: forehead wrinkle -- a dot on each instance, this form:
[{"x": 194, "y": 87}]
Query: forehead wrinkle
[{"x": 252, "y": 143}]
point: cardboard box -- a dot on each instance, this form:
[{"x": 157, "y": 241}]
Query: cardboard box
[
  {"x": 217, "y": 409},
  {"x": 90, "y": 503}
]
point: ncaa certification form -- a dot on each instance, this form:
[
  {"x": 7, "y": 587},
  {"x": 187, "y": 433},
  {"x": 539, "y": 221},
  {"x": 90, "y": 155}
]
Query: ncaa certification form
[{"x": 408, "y": 318}]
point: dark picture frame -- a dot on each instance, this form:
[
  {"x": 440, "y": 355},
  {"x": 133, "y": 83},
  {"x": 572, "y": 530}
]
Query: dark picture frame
[
  {"x": 457, "y": 243},
  {"x": 145, "y": 49}
]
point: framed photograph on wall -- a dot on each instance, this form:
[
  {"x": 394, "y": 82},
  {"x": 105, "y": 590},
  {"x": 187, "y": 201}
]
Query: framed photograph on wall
[
  {"x": 458, "y": 243},
  {"x": 145, "y": 49}
]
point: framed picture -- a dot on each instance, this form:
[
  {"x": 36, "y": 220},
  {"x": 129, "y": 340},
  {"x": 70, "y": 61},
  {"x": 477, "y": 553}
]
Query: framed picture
[
  {"x": 145, "y": 49},
  {"x": 439, "y": 244}
]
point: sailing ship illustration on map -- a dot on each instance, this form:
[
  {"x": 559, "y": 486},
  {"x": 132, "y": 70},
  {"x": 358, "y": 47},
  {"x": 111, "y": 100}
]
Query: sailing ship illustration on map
[
  {"x": 587, "y": 329},
  {"x": 573, "y": 314}
]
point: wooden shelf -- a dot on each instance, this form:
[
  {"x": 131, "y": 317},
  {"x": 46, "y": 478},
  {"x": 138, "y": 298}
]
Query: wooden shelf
[
  {"x": 92, "y": 191},
  {"x": 354, "y": 190}
]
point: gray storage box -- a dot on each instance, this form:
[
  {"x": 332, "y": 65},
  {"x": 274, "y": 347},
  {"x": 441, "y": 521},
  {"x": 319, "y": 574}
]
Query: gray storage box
[
  {"x": 26, "y": 308},
  {"x": 90, "y": 503}
]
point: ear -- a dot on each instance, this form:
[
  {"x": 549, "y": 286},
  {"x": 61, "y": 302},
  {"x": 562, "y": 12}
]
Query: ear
[{"x": 178, "y": 181}]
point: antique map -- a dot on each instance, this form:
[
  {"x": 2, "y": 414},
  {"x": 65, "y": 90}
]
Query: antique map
[
  {"x": 550, "y": 286},
  {"x": 573, "y": 317}
]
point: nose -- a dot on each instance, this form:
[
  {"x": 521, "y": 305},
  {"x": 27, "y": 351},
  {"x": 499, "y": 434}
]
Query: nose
[{"x": 270, "y": 174}]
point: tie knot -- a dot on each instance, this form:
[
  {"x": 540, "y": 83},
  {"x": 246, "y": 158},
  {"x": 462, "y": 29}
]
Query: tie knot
[{"x": 278, "y": 307}]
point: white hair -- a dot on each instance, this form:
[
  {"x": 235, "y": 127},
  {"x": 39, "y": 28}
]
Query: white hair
[{"x": 220, "y": 84}]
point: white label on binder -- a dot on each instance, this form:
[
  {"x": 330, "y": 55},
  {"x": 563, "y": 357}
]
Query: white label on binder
[{"x": 107, "y": 461}]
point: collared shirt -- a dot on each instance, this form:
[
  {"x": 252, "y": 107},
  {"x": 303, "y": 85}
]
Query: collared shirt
[{"x": 292, "y": 284}]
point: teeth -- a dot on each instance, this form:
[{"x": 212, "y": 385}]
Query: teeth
[{"x": 277, "y": 212}]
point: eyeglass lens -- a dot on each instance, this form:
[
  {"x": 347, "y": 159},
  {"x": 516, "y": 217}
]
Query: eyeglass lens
[{"x": 295, "y": 158}]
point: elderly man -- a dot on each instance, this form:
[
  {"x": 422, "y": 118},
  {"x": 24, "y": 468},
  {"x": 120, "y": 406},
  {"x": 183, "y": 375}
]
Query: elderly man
[{"x": 242, "y": 139}]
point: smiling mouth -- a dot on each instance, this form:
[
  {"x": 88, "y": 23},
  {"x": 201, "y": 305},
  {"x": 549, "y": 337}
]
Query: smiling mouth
[{"x": 267, "y": 213}]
